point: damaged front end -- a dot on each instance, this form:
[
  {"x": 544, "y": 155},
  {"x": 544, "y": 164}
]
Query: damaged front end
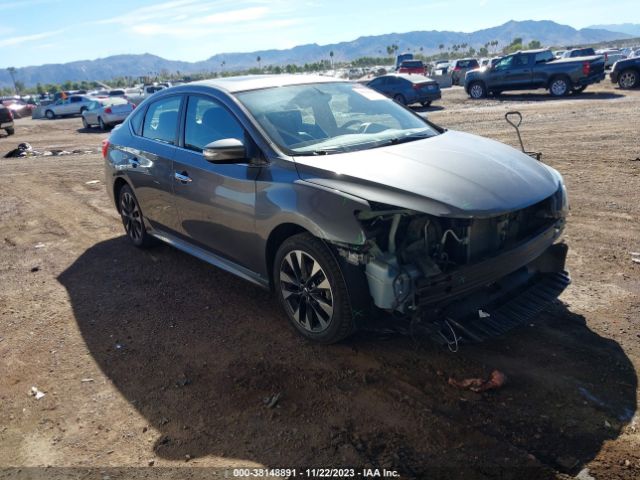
[{"x": 418, "y": 264}]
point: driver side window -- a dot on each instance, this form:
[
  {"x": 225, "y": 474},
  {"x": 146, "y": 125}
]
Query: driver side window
[{"x": 208, "y": 121}]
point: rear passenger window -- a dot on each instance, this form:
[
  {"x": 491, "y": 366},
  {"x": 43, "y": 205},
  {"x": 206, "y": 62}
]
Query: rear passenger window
[
  {"x": 161, "y": 120},
  {"x": 208, "y": 121},
  {"x": 136, "y": 121}
]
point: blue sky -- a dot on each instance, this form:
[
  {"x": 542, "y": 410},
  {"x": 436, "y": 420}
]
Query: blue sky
[{"x": 34, "y": 32}]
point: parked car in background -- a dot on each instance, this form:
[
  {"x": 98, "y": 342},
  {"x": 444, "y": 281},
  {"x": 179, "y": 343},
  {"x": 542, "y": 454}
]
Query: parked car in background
[
  {"x": 6, "y": 120},
  {"x": 106, "y": 113},
  {"x": 611, "y": 58},
  {"x": 460, "y": 67},
  {"x": 579, "y": 52},
  {"x": 73, "y": 105},
  {"x": 626, "y": 73},
  {"x": 533, "y": 69},
  {"x": 489, "y": 62},
  {"x": 148, "y": 90},
  {"x": 337, "y": 199},
  {"x": 19, "y": 108},
  {"x": 403, "y": 57},
  {"x": 412, "y": 66},
  {"x": 407, "y": 89}
]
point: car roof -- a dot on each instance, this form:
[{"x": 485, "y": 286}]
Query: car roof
[
  {"x": 257, "y": 82},
  {"x": 412, "y": 77}
]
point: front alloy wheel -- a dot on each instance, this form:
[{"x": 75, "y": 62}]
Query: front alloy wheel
[
  {"x": 628, "y": 79},
  {"x": 306, "y": 291},
  {"x": 312, "y": 290},
  {"x": 477, "y": 91}
]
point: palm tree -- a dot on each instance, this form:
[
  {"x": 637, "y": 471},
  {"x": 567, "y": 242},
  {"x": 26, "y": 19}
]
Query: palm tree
[{"x": 331, "y": 55}]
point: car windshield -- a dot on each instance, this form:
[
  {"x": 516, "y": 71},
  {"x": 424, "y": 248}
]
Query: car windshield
[{"x": 326, "y": 118}]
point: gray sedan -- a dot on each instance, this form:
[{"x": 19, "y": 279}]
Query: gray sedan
[
  {"x": 341, "y": 201},
  {"x": 106, "y": 113}
]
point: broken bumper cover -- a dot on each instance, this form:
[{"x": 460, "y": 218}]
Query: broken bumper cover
[{"x": 538, "y": 254}]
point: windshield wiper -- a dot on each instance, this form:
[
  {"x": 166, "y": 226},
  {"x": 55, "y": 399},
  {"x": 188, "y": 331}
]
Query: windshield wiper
[{"x": 407, "y": 138}]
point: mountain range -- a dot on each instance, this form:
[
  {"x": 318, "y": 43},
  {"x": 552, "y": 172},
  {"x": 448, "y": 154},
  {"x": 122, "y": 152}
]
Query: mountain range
[
  {"x": 427, "y": 42},
  {"x": 628, "y": 28}
]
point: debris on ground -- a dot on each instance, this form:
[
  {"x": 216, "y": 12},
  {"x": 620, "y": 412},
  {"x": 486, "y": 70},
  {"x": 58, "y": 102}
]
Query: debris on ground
[
  {"x": 635, "y": 257},
  {"x": 23, "y": 150},
  {"x": 26, "y": 150},
  {"x": 34, "y": 392},
  {"x": 92, "y": 182},
  {"x": 272, "y": 400},
  {"x": 496, "y": 380},
  {"x": 86, "y": 380},
  {"x": 35, "y": 269}
]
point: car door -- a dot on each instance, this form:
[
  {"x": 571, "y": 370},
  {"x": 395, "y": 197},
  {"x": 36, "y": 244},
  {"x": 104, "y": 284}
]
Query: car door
[
  {"x": 61, "y": 106},
  {"x": 519, "y": 74},
  {"x": 151, "y": 161},
  {"x": 91, "y": 114},
  {"x": 215, "y": 202}
]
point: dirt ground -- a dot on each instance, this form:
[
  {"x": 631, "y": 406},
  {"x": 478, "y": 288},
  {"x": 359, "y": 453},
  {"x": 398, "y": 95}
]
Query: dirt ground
[{"x": 157, "y": 365}]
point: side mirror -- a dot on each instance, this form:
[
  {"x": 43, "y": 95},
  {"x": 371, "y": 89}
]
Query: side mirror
[{"x": 225, "y": 150}]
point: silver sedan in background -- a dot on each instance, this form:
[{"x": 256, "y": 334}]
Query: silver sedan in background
[{"x": 106, "y": 112}]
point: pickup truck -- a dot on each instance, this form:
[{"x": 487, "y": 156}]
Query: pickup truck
[
  {"x": 6, "y": 120},
  {"x": 531, "y": 69},
  {"x": 626, "y": 73}
]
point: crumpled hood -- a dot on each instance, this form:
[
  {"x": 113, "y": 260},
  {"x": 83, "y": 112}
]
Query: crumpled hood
[{"x": 455, "y": 173}]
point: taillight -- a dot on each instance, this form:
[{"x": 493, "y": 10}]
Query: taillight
[
  {"x": 586, "y": 68},
  {"x": 108, "y": 110},
  {"x": 105, "y": 147},
  {"x": 455, "y": 69}
]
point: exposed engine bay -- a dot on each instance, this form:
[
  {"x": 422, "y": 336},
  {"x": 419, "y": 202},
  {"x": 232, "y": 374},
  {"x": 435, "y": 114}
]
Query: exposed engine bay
[{"x": 412, "y": 259}]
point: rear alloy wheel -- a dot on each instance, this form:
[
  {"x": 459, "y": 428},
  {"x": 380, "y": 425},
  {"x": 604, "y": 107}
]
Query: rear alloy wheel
[
  {"x": 312, "y": 290},
  {"x": 559, "y": 87},
  {"x": 85, "y": 124},
  {"x": 400, "y": 99},
  {"x": 477, "y": 90},
  {"x": 629, "y": 79},
  {"x": 132, "y": 218},
  {"x": 49, "y": 114}
]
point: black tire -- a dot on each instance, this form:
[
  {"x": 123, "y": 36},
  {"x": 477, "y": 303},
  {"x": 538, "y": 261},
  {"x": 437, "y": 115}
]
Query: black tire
[
  {"x": 10, "y": 131},
  {"x": 477, "y": 90},
  {"x": 559, "y": 86},
  {"x": 102, "y": 125},
  {"x": 629, "y": 78},
  {"x": 49, "y": 114},
  {"x": 132, "y": 218},
  {"x": 85, "y": 124},
  {"x": 400, "y": 99},
  {"x": 317, "y": 305},
  {"x": 580, "y": 89}
]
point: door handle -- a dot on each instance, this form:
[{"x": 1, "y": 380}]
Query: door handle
[{"x": 182, "y": 177}]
